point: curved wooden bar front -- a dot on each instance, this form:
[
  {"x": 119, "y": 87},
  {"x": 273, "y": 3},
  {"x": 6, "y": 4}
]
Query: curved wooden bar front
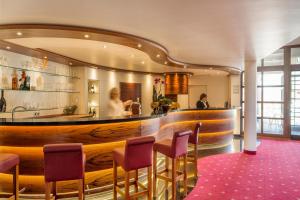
[{"x": 99, "y": 139}]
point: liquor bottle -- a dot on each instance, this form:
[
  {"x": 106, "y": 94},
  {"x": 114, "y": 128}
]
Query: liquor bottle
[
  {"x": 2, "y": 102},
  {"x": 23, "y": 81},
  {"x": 140, "y": 106},
  {"x": 14, "y": 80}
]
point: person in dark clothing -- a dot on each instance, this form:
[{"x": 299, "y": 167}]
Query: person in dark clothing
[{"x": 203, "y": 103}]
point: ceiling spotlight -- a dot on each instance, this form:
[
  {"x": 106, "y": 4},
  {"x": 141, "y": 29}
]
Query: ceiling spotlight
[
  {"x": 19, "y": 33},
  {"x": 143, "y": 62},
  {"x": 8, "y": 47},
  {"x": 86, "y": 36},
  {"x": 210, "y": 68},
  {"x": 70, "y": 63},
  {"x": 45, "y": 57},
  {"x": 132, "y": 55},
  {"x": 104, "y": 46},
  {"x": 184, "y": 66},
  {"x": 139, "y": 45},
  {"x": 157, "y": 56},
  {"x": 166, "y": 62}
]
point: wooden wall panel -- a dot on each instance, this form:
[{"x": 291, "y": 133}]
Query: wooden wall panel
[
  {"x": 176, "y": 83},
  {"x": 131, "y": 91}
]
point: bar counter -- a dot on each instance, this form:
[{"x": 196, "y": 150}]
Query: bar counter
[{"x": 100, "y": 136}]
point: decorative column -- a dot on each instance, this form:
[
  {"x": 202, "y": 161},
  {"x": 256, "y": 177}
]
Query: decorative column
[{"x": 250, "y": 134}]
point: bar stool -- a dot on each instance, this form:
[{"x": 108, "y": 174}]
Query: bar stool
[
  {"x": 175, "y": 148},
  {"x": 137, "y": 154},
  {"x": 63, "y": 162},
  {"x": 10, "y": 163},
  {"x": 193, "y": 141}
]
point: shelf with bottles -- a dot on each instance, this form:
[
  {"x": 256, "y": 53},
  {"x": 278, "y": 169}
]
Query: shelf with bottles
[
  {"x": 38, "y": 71},
  {"x": 57, "y": 91}
]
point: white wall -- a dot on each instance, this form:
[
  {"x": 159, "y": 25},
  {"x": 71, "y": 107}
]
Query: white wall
[
  {"x": 234, "y": 96},
  {"x": 217, "y": 88}
]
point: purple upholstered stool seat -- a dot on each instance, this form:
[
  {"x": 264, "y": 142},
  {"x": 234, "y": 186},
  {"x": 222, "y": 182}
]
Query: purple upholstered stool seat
[
  {"x": 64, "y": 162},
  {"x": 136, "y": 154},
  {"x": 174, "y": 149},
  {"x": 8, "y": 161}
]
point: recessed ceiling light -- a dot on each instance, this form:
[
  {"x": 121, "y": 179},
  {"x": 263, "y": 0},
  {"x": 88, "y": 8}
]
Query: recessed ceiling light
[
  {"x": 132, "y": 55},
  {"x": 139, "y": 45},
  {"x": 86, "y": 36},
  {"x": 166, "y": 62},
  {"x": 19, "y": 33},
  {"x": 157, "y": 56},
  {"x": 104, "y": 46},
  {"x": 70, "y": 63},
  {"x": 45, "y": 57},
  {"x": 8, "y": 47},
  {"x": 184, "y": 66},
  {"x": 210, "y": 68},
  {"x": 143, "y": 62}
]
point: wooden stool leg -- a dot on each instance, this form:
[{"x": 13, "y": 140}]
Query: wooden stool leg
[
  {"x": 127, "y": 185},
  {"x": 16, "y": 182},
  {"x": 54, "y": 189},
  {"x": 150, "y": 183},
  {"x": 154, "y": 173},
  {"x": 136, "y": 179},
  {"x": 48, "y": 190},
  {"x": 80, "y": 189},
  {"x": 167, "y": 169},
  {"x": 174, "y": 164},
  {"x": 115, "y": 179},
  {"x": 185, "y": 174},
  {"x": 195, "y": 160}
]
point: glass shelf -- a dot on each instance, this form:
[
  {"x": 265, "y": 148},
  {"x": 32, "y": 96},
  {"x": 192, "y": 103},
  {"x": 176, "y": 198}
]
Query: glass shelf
[
  {"x": 59, "y": 91},
  {"x": 34, "y": 110},
  {"x": 43, "y": 72}
]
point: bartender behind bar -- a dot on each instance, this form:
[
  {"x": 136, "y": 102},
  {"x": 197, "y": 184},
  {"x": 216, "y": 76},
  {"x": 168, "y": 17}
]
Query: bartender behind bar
[{"x": 202, "y": 103}]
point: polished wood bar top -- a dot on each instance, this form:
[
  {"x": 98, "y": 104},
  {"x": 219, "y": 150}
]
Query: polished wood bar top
[
  {"x": 99, "y": 136},
  {"x": 85, "y": 119}
]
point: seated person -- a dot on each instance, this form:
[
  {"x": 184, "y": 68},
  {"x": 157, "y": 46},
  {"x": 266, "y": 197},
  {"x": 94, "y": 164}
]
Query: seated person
[{"x": 202, "y": 103}]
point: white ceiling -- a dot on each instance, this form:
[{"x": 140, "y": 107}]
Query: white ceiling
[
  {"x": 105, "y": 54},
  {"x": 213, "y": 32}
]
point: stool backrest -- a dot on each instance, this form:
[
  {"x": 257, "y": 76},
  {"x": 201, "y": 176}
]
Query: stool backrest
[
  {"x": 194, "y": 136},
  {"x": 180, "y": 143},
  {"x": 138, "y": 152},
  {"x": 63, "y": 162}
]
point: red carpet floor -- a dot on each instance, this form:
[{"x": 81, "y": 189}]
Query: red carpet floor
[{"x": 272, "y": 174}]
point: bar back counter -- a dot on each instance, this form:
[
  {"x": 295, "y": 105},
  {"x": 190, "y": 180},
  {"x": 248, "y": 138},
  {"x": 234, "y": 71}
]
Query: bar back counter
[{"x": 26, "y": 137}]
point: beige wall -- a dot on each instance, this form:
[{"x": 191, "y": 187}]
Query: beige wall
[{"x": 217, "y": 88}]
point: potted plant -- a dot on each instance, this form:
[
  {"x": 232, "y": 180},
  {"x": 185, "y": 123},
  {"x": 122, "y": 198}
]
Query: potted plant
[
  {"x": 165, "y": 104},
  {"x": 160, "y": 104}
]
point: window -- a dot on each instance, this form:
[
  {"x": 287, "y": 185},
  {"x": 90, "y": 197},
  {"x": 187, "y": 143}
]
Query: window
[
  {"x": 295, "y": 103},
  {"x": 295, "y": 56}
]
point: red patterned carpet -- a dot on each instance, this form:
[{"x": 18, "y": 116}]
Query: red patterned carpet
[{"x": 272, "y": 174}]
